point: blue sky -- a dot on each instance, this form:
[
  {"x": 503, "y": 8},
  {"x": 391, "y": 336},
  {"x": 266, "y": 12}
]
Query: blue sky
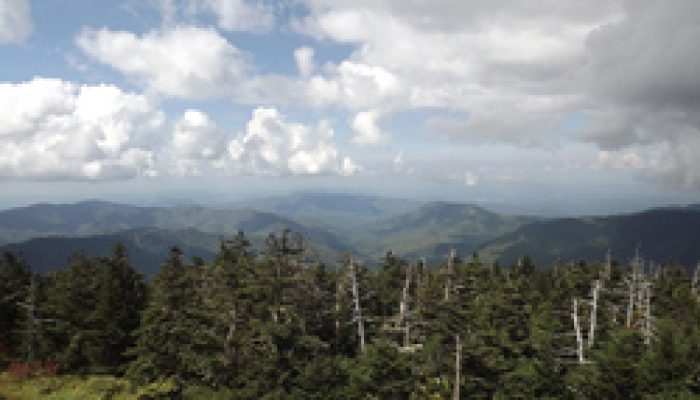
[{"x": 531, "y": 103}]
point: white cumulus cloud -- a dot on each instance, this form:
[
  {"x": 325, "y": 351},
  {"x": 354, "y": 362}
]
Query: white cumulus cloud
[
  {"x": 196, "y": 140},
  {"x": 366, "y": 130},
  {"x": 188, "y": 62},
  {"x": 51, "y": 128},
  {"x": 348, "y": 167},
  {"x": 271, "y": 145}
]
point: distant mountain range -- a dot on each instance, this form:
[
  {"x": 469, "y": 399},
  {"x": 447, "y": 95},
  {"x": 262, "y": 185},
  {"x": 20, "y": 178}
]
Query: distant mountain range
[
  {"x": 339, "y": 213},
  {"x": 147, "y": 247},
  {"x": 90, "y": 225},
  {"x": 47, "y": 234},
  {"x": 667, "y": 235},
  {"x": 432, "y": 229}
]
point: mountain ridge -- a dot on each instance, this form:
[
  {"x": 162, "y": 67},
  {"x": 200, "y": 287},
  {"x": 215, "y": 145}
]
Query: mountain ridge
[{"x": 427, "y": 230}]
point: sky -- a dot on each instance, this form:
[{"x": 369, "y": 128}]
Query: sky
[{"x": 590, "y": 106}]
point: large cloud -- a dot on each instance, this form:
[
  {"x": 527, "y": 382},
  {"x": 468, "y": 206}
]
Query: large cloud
[
  {"x": 55, "y": 129},
  {"x": 271, "y": 145},
  {"x": 469, "y": 55},
  {"x": 182, "y": 62},
  {"x": 519, "y": 70},
  {"x": 513, "y": 71},
  {"x": 15, "y": 21},
  {"x": 641, "y": 76},
  {"x": 196, "y": 140}
]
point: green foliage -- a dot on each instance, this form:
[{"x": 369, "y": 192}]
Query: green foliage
[
  {"x": 94, "y": 305},
  {"x": 14, "y": 283},
  {"x": 174, "y": 339},
  {"x": 280, "y": 325},
  {"x": 380, "y": 372}
]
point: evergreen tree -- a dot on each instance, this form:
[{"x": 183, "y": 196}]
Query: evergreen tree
[
  {"x": 14, "y": 283},
  {"x": 71, "y": 301},
  {"x": 121, "y": 296},
  {"x": 176, "y": 338}
]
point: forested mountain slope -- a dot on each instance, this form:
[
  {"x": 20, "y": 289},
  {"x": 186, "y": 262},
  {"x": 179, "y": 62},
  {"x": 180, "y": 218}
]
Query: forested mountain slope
[
  {"x": 333, "y": 223},
  {"x": 147, "y": 247},
  {"x": 100, "y": 218},
  {"x": 335, "y": 209},
  {"x": 663, "y": 235},
  {"x": 433, "y": 228}
]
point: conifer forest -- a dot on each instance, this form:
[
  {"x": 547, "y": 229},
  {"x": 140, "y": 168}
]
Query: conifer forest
[{"x": 273, "y": 323}]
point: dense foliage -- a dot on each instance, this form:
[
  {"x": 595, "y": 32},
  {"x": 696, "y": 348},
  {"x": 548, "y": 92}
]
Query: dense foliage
[{"x": 276, "y": 325}]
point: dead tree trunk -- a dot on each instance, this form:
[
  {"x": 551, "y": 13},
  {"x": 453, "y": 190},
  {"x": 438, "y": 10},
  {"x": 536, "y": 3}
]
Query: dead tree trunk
[
  {"x": 577, "y": 332},
  {"x": 630, "y": 306},
  {"x": 450, "y": 271},
  {"x": 458, "y": 366},
  {"x": 404, "y": 308},
  {"x": 647, "y": 314},
  {"x": 339, "y": 290},
  {"x": 594, "y": 314},
  {"x": 358, "y": 308}
]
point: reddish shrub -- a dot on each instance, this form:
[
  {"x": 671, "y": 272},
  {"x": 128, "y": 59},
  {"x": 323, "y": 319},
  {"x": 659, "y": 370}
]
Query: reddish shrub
[
  {"x": 22, "y": 370},
  {"x": 47, "y": 368},
  {"x": 19, "y": 370}
]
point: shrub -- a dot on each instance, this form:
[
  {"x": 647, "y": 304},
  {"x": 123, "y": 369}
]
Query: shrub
[{"x": 19, "y": 370}]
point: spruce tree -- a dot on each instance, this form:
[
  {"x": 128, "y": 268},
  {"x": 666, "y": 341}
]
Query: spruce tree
[
  {"x": 14, "y": 282},
  {"x": 121, "y": 296},
  {"x": 175, "y": 338}
]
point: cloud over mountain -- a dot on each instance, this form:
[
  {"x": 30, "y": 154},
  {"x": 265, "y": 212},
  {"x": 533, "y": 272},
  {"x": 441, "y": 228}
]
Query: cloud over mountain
[
  {"x": 271, "y": 145},
  {"x": 56, "y": 129}
]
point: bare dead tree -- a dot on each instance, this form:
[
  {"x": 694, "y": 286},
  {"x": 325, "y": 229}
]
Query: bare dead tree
[
  {"x": 634, "y": 288},
  {"x": 647, "y": 315},
  {"x": 404, "y": 307},
  {"x": 577, "y": 332},
  {"x": 594, "y": 313},
  {"x": 450, "y": 272},
  {"x": 356, "y": 301},
  {"x": 339, "y": 291},
  {"x": 458, "y": 367}
]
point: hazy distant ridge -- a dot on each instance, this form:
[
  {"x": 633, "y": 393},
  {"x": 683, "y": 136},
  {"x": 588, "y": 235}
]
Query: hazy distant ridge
[{"x": 335, "y": 223}]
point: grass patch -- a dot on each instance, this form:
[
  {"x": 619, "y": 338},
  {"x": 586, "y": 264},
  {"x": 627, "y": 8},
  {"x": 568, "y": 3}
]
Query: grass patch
[{"x": 66, "y": 388}]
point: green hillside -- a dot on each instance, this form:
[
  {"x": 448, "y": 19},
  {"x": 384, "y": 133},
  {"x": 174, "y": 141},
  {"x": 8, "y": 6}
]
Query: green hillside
[
  {"x": 664, "y": 235},
  {"x": 147, "y": 247},
  {"x": 433, "y": 228},
  {"x": 98, "y": 218},
  {"x": 338, "y": 212},
  {"x": 51, "y": 230}
]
